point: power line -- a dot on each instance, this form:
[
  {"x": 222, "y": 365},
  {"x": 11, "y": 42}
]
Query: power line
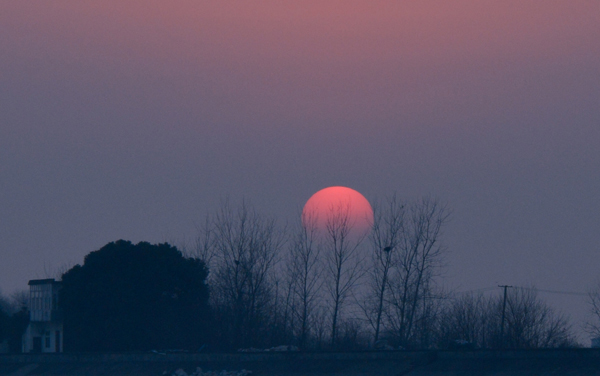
[
  {"x": 555, "y": 291},
  {"x": 484, "y": 289}
]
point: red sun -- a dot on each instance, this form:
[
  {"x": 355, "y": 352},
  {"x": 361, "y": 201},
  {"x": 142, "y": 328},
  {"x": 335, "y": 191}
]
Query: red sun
[{"x": 329, "y": 202}]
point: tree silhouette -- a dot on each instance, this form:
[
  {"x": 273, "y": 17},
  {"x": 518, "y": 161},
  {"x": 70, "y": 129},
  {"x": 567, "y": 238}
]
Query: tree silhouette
[
  {"x": 304, "y": 271},
  {"x": 401, "y": 299},
  {"x": 344, "y": 263},
  {"x": 4, "y": 320},
  {"x": 14, "y": 318},
  {"x": 530, "y": 323},
  {"x": 244, "y": 247},
  {"x": 417, "y": 258},
  {"x": 128, "y": 297},
  {"x": 388, "y": 224},
  {"x": 16, "y": 327}
]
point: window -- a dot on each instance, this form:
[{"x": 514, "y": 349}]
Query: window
[{"x": 47, "y": 335}]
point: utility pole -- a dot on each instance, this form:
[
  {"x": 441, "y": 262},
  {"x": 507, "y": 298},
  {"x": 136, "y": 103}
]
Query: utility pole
[
  {"x": 386, "y": 267},
  {"x": 503, "y": 314}
]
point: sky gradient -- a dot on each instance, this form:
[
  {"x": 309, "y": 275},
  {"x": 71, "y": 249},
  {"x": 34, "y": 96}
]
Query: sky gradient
[{"x": 134, "y": 119}]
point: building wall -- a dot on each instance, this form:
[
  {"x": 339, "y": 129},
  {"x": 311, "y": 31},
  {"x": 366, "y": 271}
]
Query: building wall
[
  {"x": 49, "y": 335},
  {"x": 43, "y": 301},
  {"x": 45, "y": 330}
]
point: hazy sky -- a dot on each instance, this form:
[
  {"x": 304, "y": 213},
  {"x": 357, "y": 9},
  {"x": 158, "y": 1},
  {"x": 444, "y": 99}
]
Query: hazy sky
[{"x": 132, "y": 119}]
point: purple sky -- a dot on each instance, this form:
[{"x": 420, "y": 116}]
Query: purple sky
[{"x": 133, "y": 119}]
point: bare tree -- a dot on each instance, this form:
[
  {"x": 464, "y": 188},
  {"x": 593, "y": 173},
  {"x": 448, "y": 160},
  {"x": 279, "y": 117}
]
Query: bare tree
[
  {"x": 203, "y": 247},
  {"x": 304, "y": 273},
  {"x": 19, "y": 301},
  {"x": 246, "y": 249},
  {"x": 416, "y": 261},
  {"x": 5, "y": 304},
  {"x": 321, "y": 328},
  {"x": 466, "y": 319},
  {"x": 388, "y": 222},
  {"x": 352, "y": 335},
  {"x": 592, "y": 326},
  {"x": 56, "y": 271},
  {"x": 529, "y": 322},
  {"x": 343, "y": 260}
]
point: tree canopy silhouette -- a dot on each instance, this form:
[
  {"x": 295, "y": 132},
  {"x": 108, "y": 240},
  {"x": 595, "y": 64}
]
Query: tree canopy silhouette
[
  {"x": 4, "y": 322},
  {"x": 132, "y": 297}
]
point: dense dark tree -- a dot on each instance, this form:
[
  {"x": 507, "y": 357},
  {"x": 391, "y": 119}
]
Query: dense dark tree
[
  {"x": 4, "y": 320},
  {"x": 130, "y": 297},
  {"x": 14, "y": 318},
  {"x": 16, "y": 327}
]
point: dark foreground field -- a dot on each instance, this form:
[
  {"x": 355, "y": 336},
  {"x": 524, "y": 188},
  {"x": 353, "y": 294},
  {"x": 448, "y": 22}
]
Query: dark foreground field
[{"x": 421, "y": 363}]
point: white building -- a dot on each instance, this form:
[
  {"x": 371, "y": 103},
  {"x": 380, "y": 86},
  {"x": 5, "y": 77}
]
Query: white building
[{"x": 45, "y": 331}]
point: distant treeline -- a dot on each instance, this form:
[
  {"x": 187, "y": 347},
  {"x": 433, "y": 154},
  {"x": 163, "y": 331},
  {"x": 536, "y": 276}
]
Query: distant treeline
[
  {"x": 13, "y": 321},
  {"x": 248, "y": 283}
]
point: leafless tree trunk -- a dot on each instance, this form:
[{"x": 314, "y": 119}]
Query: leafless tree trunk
[
  {"x": 343, "y": 261},
  {"x": 246, "y": 249},
  {"x": 416, "y": 262},
  {"x": 384, "y": 238},
  {"x": 321, "y": 328},
  {"x": 304, "y": 272}
]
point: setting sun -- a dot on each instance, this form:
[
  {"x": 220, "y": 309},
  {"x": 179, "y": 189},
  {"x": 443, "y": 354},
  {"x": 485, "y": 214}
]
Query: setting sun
[{"x": 327, "y": 202}]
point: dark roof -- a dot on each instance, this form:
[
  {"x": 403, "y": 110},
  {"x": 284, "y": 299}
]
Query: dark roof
[{"x": 47, "y": 281}]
